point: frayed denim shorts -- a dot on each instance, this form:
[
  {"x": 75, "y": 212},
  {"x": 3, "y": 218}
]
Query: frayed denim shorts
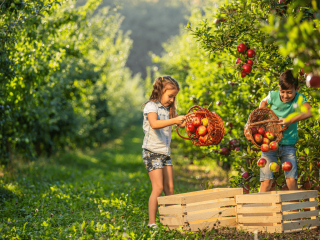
[
  {"x": 154, "y": 161},
  {"x": 285, "y": 153}
]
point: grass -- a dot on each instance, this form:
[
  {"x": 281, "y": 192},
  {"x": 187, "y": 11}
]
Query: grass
[{"x": 99, "y": 194}]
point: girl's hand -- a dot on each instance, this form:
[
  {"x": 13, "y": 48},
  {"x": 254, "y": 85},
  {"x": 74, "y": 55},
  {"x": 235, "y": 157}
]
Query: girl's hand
[
  {"x": 283, "y": 122},
  {"x": 180, "y": 119}
]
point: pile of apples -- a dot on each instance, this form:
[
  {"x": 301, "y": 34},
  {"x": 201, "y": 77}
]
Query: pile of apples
[
  {"x": 274, "y": 167},
  {"x": 201, "y": 127},
  {"x": 247, "y": 67},
  {"x": 264, "y": 138}
]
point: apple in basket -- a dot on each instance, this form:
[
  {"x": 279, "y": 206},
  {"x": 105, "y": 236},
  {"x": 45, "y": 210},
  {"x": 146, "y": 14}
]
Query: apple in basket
[
  {"x": 261, "y": 131},
  {"x": 204, "y": 121},
  {"x": 203, "y": 139},
  {"x": 202, "y": 130},
  {"x": 266, "y": 141},
  {"x": 210, "y": 128},
  {"x": 265, "y": 148},
  {"x": 262, "y": 162},
  {"x": 269, "y": 135},
  {"x": 254, "y": 130},
  {"x": 287, "y": 166},
  {"x": 274, "y": 167},
  {"x": 191, "y": 128},
  {"x": 196, "y": 121},
  {"x": 274, "y": 146},
  {"x": 258, "y": 138}
]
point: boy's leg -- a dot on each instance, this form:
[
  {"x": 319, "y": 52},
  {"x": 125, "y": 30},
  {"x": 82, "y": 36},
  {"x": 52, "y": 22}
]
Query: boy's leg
[
  {"x": 266, "y": 176},
  {"x": 168, "y": 180},
  {"x": 156, "y": 177},
  {"x": 288, "y": 153},
  {"x": 265, "y": 186}
]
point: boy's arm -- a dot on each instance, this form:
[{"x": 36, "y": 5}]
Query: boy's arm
[
  {"x": 300, "y": 117},
  {"x": 263, "y": 103}
]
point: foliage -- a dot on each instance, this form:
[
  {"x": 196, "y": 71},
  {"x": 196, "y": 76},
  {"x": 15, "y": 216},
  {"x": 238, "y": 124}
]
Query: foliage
[{"x": 206, "y": 67}]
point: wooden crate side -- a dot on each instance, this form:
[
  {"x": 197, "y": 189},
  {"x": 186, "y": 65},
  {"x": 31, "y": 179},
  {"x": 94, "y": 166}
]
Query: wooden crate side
[
  {"x": 258, "y": 198},
  {"x": 298, "y": 195},
  {"x": 265, "y": 209},
  {"x": 201, "y": 192},
  {"x": 211, "y": 196},
  {"x": 293, "y": 206},
  {"x": 210, "y": 214},
  {"x": 169, "y": 200},
  {"x": 230, "y": 222},
  {"x": 170, "y": 221},
  {"x": 270, "y": 229},
  {"x": 302, "y": 224},
  {"x": 176, "y": 210},
  {"x": 209, "y": 205},
  {"x": 258, "y": 219},
  {"x": 300, "y": 215}
]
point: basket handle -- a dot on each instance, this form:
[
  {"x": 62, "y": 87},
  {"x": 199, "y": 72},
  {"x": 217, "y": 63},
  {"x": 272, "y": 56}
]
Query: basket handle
[
  {"x": 194, "y": 113},
  {"x": 182, "y": 136},
  {"x": 265, "y": 121}
]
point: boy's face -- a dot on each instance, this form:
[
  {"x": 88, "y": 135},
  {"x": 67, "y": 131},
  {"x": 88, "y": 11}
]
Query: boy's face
[{"x": 289, "y": 94}]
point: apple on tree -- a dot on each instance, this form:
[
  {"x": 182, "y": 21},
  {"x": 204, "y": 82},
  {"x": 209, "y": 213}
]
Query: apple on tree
[
  {"x": 245, "y": 175},
  {"x": 250, "y": 62},
  {"x": 246, "y": 189},
  {"x": 241, "y": 47},
  {"x": 243, "y": 74},
  {"x": 246, "y": 68},
  {"x": 251, "y": 53},
  {"x": 313, "y": 81},
  {"x": 224, "y": 151}
]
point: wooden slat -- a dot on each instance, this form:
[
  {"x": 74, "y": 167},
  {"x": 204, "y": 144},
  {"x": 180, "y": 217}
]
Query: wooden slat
[
  {"x": 202, "y": 192},
  {"x": 172, "y": 221},
  {"x": 258, "y": 198},
  {"x": 177, "y": 210},
  {"x": 210, "y": 204},
  {"x": 270, "y": 229},
  {"x": 300, "y": 215},
  {"x": 298, "y": 195},
  {"x": 211, "y": 196},
  {"x": 265, "y": 209},
  {"x": 210, "y": 214},
  {"x": 313, "y": 208},
  {"x": 259, "y": 219},
  {"x": 213, "y": 224},
  {"x": 300, "y": 224},
  {"x": 293, "y": 206},
  {"x": 169, "y": 200}
]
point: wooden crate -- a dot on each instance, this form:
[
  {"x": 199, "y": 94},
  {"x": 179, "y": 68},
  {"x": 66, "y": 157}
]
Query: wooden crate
[
  {"x": 278, "y": 211},
  {"x": 199, "y": 210}
]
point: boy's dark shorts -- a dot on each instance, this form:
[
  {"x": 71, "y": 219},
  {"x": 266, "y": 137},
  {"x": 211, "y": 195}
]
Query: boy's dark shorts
[{"x": 154, "y": 161}]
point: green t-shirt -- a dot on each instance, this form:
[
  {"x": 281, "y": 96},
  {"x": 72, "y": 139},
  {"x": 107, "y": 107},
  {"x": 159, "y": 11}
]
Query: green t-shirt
[{"x": 282, "y": 110}]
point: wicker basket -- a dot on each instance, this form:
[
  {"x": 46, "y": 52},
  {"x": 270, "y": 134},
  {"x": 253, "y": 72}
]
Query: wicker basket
[
  {"x": 268, "y": 120},
  {"x": 215, "y": 134}
]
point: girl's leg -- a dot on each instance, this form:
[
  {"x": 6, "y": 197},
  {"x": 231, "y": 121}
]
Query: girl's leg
[
  {"x": 156, "y": 177},
  {"x": 168, "y": 180}
]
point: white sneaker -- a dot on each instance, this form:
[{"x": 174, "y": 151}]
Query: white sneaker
[{"x": 153, "y": 225}]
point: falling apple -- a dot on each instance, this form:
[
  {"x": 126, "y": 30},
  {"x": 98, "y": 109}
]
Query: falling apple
[
  {"x": 261, "y": 131},
  {"x": 274, "y": 146},
  {"x": 191, "y": 128},
  {"x": 262, "y": 162},
  {"x": 202, "y": 130},
  {"x": 241, "y": 47},
  {"x": 196, "y": 121},
  {"x": 258, "y": 138},
  {"x": 245, "y": 175},
  {"x": 287, "y": 166},
  {"x": 254, "y": 130},
  {"x": 274, "y": 167},
  {"x": 269, "y": 135},
  {"x": 265, "y": 148},
  {"x": 313, "y": 81},
  {"x": 266, "y": 141},
  {"x": 251, "y": 53}
]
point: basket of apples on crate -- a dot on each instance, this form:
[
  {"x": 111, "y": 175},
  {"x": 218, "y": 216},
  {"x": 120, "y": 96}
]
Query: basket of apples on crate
[
  {"x": 263, "y": 129},
  {"x": 204, "y": 128}
]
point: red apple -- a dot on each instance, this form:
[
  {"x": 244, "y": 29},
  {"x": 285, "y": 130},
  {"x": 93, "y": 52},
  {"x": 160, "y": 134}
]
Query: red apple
[
  {"x": 247, "y": 68},
  {"x": 224, "y": 151},
  {"x": 204, "y": 121},
  {"x": 249, "y": 61},
  {"x": 191, "y": 128},
  {"x": 229, "y": 124},
  {"x": 202, "y": 130},
  {"x": 241, "y": 47},
  {"x": 269, "y": 135},
  {"x": 274, "y": 167},
  {"x": 218, "y": 103},
  {"x": 243, "y": 74},
  {"x": 196, "y": 121},
  {"x": 287, "y": 166},
  {"x": 234, "y": 143},
  {"x": 251, "y": 53},
  {"x": 307, "y": 185},
  {"x": 262, "y": 162},
  {"x": 254, "y": 130},
  {"x": 246, "y": 189},
  {"x": 313, "y": 81},
  {"x": 266, "y": 141},
  {"x": 261, "y": 131},
  {"x": 210, "y": 128},
  {"x": 245, "y": 175},
  {"x": 203, "y": 139},
  {"x": 237, "y": 148},
  {"x": 274, "y": 146},
  {"x": 238, "y": 60},
  {"x": 258, "y": 138},
  {"x": 265, "y": 148},
  {"x": 318, "y": 164}
]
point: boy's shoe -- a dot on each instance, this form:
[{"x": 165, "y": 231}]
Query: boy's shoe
[{"x": 153, "y": 226}]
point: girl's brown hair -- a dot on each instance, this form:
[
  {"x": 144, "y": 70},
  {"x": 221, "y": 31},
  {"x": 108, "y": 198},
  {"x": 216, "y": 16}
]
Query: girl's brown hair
[{"x": 160, "y": 85}]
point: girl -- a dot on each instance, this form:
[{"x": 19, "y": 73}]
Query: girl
[{"x": 159, "y": 115}]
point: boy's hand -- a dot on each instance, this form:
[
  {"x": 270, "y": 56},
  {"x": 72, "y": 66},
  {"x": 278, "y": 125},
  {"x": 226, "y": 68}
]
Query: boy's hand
[{"x": 284, "y": 123}]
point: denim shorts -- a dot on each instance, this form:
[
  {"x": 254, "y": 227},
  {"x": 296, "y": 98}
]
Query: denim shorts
[
  {"x": 154, "y": 161},
  {"x": 285, "y": 153}
]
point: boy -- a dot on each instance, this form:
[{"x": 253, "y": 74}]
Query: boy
[{"x": 282, "y": 102}]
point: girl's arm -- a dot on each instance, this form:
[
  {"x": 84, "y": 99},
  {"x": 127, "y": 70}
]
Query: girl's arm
[{"x": 157, "y": 124}]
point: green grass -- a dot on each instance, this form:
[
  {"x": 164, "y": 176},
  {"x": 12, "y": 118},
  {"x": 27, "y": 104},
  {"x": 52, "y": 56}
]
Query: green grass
[{"x": 100, "y": 194}]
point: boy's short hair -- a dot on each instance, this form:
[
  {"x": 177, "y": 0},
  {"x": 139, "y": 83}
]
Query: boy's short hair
[{"x": 287, "y": 80}]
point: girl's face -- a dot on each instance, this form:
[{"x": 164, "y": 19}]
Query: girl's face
[
  {"x": 168, "y": 97},
  {"x": 288, "y": 95}
]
